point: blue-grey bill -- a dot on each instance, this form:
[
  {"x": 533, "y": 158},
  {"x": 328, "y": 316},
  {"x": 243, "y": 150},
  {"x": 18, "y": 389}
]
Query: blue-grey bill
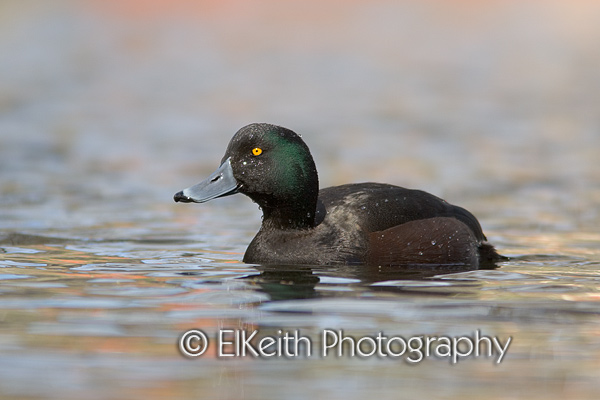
[{"x": 220, "y": 183}]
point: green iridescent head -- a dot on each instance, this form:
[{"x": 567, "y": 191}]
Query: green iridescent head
[{"x": 273, "y": 166}]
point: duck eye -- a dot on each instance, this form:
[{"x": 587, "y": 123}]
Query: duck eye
[{"x": 257, "y": 151}]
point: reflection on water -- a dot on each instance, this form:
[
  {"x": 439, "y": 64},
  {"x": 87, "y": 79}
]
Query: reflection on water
[
  {"x": 117, "y": 309},
  {"x": 108, "y": 108}
]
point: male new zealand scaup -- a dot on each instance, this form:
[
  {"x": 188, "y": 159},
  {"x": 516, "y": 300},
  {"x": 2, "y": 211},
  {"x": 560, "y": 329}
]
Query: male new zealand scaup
[{"x": 362, "y": 223}]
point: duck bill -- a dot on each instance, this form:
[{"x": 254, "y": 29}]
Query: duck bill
[{"x": 219, "y": 184}]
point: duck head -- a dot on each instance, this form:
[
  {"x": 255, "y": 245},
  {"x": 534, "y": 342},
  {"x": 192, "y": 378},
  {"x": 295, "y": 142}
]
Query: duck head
[{"x": 273, "y": 166}]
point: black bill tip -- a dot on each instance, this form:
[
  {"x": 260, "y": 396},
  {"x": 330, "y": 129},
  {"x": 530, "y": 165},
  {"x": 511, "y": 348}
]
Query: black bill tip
[{"x": 180, "y": 197}]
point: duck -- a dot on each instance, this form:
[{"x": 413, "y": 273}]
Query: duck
[{"x": 371, "y": 224}]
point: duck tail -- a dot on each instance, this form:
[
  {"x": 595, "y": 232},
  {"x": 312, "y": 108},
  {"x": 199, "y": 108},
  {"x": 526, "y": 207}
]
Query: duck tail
[{"x": 489, "y": 256}]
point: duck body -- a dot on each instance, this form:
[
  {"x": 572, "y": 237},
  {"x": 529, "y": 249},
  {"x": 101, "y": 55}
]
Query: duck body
[
  {"x": 375, "y": 224},
  {"x": 363, "y": 223}
]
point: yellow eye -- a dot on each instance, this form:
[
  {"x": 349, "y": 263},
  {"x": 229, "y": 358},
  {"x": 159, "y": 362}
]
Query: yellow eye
[{"x": 257, "y": 151}]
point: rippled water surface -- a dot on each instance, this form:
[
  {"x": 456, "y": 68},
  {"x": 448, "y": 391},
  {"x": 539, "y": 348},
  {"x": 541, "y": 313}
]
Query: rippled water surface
[{"x": 108, "y": 108}]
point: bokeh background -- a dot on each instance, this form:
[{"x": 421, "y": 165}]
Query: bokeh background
[
  {"x": 128, "y": 98},
  {"x": 107, "y": 108}
]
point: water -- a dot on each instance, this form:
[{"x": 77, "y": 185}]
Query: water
[{"x": 107, "y": 109}]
